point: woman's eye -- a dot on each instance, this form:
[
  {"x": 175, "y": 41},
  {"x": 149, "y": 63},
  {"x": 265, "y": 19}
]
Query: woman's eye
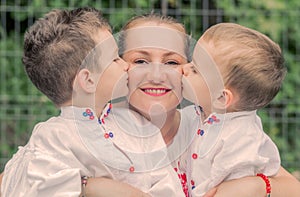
[
  {"x": 140, "y": 62},
  {"x": 172, "y": 63}
]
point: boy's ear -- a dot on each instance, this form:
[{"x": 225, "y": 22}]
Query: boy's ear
[
  {"x": 87, "y": 80},
  {"x": 225, "y": 100},
  {"x": 228, "y": 97}
]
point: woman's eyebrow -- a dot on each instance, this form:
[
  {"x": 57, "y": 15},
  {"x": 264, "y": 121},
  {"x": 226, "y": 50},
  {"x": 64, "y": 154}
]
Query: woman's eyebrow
[
  {"x": 170, "y": 53},
  {"x": 142, "y": 52}
]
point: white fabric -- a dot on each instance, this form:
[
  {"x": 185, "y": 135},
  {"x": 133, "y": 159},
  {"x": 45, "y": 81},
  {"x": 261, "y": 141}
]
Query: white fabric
[
  {"x": 178, "y": 150},
  {"x": 231, "y": 146},
  {"x": 69, "y": 146}
]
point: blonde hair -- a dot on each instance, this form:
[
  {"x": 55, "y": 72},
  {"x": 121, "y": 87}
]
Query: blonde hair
[
  {"x": 251, "y": 63},
  {"x": 159, "y": 19}
]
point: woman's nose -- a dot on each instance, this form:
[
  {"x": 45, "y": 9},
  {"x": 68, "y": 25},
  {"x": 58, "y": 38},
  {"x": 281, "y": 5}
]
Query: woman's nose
[{"x": 156, "y": 73}]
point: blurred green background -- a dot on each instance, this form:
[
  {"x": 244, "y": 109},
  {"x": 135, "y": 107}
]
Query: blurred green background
[{"x": 22, "y": 106}]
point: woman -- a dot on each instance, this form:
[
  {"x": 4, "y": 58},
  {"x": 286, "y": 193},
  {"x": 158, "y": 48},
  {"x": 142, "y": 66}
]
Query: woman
[{"x": 157, "y": 91}]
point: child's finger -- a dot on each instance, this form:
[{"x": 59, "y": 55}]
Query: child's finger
[{"x": 211, "y": 193}]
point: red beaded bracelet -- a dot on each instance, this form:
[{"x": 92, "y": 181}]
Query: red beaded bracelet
[
  {"x": 267, "y": 181},
  {"x": 84, "y": 180}
]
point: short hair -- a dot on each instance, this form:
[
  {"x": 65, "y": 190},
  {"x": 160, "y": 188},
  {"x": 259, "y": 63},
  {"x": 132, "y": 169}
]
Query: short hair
[
  {"x": 56, "y": 45},
  {"x": 250, "y": 62},
  {"x": 160, "y": 19}
]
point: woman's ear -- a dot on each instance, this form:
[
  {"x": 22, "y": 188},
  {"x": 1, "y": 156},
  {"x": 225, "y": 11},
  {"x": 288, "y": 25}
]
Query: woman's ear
[{"x": 87, "y": 80}]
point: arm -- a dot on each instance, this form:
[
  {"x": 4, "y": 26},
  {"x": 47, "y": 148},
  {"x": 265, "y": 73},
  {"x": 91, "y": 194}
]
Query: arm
[
  {"x": 283, "y": 184},
  {"x": 165, "y": 182},
  {"x": 103, "y": 187},
  {"x": 1, "y": 175}
]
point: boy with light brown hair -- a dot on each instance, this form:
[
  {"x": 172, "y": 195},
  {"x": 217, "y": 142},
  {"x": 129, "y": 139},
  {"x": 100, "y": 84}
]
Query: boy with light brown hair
[{"x": 235, "y": 71}]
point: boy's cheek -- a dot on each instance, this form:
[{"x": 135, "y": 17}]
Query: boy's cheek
[{"x": 180, "y": 69}]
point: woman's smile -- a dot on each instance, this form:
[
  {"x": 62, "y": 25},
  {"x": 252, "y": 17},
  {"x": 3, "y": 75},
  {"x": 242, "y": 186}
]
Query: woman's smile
[{"x": 155, "y": 91}]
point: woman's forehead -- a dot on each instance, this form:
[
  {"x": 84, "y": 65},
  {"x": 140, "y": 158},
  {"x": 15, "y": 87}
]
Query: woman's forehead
[{"x": 159, "y": 37}]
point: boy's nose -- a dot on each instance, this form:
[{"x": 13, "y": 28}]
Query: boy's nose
[
  {"x": 186, "y": 69},
  {"x": 125, "y": 64}
]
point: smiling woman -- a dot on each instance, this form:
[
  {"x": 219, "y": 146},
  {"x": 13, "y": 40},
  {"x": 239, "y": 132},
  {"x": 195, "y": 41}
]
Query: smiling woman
[{"x": 155, "y": 47}]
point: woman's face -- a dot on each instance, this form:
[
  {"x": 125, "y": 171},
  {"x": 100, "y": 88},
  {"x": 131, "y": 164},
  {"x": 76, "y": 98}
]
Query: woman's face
[{"x": 154, "y": 79}]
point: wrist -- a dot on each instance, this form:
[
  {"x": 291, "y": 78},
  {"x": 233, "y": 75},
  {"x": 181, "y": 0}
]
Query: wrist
[
  {"x": 84, "y": 180},
  {"x": 267, "y": 184}
]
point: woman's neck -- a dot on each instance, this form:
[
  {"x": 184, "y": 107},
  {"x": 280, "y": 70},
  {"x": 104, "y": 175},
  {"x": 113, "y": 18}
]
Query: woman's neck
[
  {"x": 167, "y": 122},
  {"x": 171, "y": 126}
]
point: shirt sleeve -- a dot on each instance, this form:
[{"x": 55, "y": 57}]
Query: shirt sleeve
[
  {"x": 244, "y": 155},
  {"x": 57, "y": 180},
  {"x": 33, "y": 173}
]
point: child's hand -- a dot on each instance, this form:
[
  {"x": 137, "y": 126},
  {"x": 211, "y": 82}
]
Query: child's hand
[{"x": 211, "y": 193}]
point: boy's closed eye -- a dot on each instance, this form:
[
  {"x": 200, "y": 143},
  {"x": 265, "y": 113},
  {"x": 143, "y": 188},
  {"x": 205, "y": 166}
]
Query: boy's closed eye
[
  {"x": 189, "y": 69},
  {"x": 194, "y": 70}
]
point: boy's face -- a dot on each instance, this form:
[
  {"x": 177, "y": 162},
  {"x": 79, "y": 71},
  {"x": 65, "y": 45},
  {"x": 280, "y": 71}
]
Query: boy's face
[
  {"x": 195, "y": 88},
  {"x": 113, "y": 79},
  {"x": 202, "y": 81}
]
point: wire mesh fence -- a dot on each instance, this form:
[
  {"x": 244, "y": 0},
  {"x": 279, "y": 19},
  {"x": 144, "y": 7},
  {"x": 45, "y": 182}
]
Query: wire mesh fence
[{"x": 22, "y": 106}]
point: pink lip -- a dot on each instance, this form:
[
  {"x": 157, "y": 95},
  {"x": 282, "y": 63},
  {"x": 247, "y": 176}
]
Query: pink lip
[{"x": 155, "y": 91}]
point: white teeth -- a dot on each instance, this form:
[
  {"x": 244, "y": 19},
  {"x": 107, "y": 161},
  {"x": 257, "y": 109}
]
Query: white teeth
[{"x": 155, "y": 91}]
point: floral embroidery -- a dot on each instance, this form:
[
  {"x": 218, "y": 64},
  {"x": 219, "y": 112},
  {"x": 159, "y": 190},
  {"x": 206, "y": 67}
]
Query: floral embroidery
[
  {"x": 212, "y": 119},
  {"x": 193, "y": 184},
  {"x": 88, "y": 113},
  {"x": 200, "y": 132},
  {"x": 183, "y": 180}
]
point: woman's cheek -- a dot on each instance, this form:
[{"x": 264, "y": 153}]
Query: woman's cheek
[{"x": 136, "y": 77}]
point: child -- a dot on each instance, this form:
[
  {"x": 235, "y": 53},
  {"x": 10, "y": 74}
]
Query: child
[
  {"x": 72, "y": 58},
  {"x": 235, "y": 72}
]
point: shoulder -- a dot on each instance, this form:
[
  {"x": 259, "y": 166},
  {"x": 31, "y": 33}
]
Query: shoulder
[
  {"x": 53, "y": 127},
  {"x": 54, "y": 135}
]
